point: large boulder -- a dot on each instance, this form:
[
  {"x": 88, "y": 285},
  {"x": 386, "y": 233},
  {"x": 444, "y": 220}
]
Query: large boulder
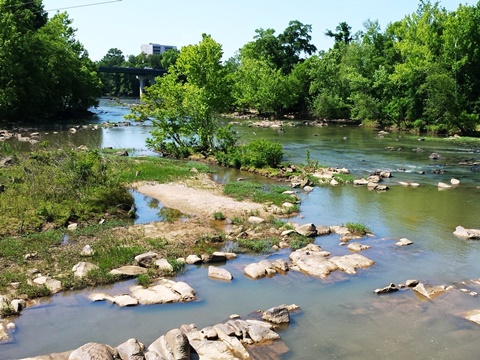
[
  {"x": 460, "y": 231},
  {"x": 219, "y": 273},
  {"x": 129, "y": 271},
  {"x": 349, "y": 263},
  {"x": 164, "y": 265},
  {"x": 277, "y": 315},
  {"x": 313, "y": 261},
  {"x": 124, "y": 300},
  {"x": 260, "y": 269},
  {"x": 355, "y": 246},
  {"x": 167, "y": 291},
  {"x": 206, "y": 349},
  {"x": 131, "y": 349},
  {"x": 193, "y": 259},
  {"x": 146, "y": 259},
  {"x": 83, "y": 268},
  {"x": 430, "y": 291},
  {"x": 308, "y": 230},
  {"x": 95, "y": 351},
  {"x": 173, "y": 345}
]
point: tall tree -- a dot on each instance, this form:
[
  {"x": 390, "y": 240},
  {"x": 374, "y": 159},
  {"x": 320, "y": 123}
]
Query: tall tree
[
  {"x": 45, "y": 71},
  {"x": 184, "y": 104}
]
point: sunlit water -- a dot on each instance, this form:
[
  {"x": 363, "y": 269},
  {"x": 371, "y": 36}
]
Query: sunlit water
[{"x": 341, "y": 318}]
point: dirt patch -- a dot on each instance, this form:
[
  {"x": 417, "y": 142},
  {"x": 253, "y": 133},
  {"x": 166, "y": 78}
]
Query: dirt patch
[{"x": 199, "y": 196}]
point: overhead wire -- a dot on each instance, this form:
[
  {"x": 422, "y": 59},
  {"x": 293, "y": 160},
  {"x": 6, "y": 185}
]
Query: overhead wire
[
  {"x": 84, "y": 5},
  {"x": 61, "y": 8}
]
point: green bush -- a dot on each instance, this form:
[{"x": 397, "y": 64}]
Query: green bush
[
  {"x": 357, "y": 228},
  {"x": 258, "y": 154}
]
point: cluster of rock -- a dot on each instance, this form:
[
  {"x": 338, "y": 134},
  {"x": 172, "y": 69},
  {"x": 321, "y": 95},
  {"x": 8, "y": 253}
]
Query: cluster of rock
[
  {"x": 227, "y": 341},
  {"x": 460, "y": 231},
  {"x": 372, "y": 182},
  {"x": 427, "y": 291},
  {"x": 314, "y": 261},
  {"x": 453, "y": 182},
  {"x": 162, "y": 292}
]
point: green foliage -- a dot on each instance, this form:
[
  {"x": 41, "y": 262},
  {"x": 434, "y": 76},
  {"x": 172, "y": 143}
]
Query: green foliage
[
  {"x": 298, "y": 241},
  {"x": 241, "y": 190},
  {"x": 178, "y": 266},
  {"x": 259, "y": 153},
  {"x": 183, "y": 105},
  {"x": 29, "y": 85},
  {"x": 59, "y": 186},
  {"x": 111, "y": 257},
  {"x": 357, "y": 228},
  {"x": 218, "y": 215},
  {"x": 33, "y": 291},
  {"x": 144, "y": 280},
  {"x": 256, "y": 245}
]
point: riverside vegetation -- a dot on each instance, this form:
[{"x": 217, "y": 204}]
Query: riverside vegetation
[{"x": 46, "y": 190}]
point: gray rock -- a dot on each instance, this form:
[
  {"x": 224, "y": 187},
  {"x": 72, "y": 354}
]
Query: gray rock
[
  {"x": 83, "y": 268},
  {"x": 124, "y": 300},
  {"x": 210, "y": 333},
  {"x": 355, "y": 246},
  {"x": 206, "y": 349},
  {"x": 18, "y": 305},
  {"x": 235, "y": 346},
  {"x": 360, "y": 182},
  {"x": 131, "y": 349},
  {"x": 474, "y": 316},
  {"x": 173, "y": 345},
  {"x": 404, "y": 242},
  {"x": 411, "y": 283},
  {"x": 323, "y": 230},
  {"x": 256, "y": 220},
  {"x": 260, "y": 269},
  {"x": 277, "y": 315},
  {"x": 157, "y": 294},
  {"x": 387, "y": 289},
  {"x": 349, "y": 263},
  {"x": 259, "y": 333},
  {"x": 53, "y": 285},
  {"x": 164, "y": 265},
  {"x": 219, "y": 273},
  {"x": 129, "y": 271},
  {"x": 460, "y": 231},
  {"x": 435, "y": 156},
  {"x": 308, "y": 230},
  {"x": 87, "y": 251},
  {"x": 95, "y": 351},
  {"x": 430, "y": 291},
  {"x": 313, "y": 261},
  {"x": 146, "y": 259},
  {"x": 193, "y": 259},
  {"x": 281, "y": 265}
]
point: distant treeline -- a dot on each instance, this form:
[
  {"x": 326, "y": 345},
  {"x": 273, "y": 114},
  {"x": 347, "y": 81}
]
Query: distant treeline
[{"x": 422, "y": 72}]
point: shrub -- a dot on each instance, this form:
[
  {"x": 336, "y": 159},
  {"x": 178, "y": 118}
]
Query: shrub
[
  {"x": 218, "y": 215},
  {"x": 357, "y": 228},
  {"x": 258, "y": 154}
]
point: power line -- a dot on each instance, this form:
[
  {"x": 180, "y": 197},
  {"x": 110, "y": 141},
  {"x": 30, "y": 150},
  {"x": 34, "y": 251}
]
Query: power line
[{"x": 85, "y": 5}]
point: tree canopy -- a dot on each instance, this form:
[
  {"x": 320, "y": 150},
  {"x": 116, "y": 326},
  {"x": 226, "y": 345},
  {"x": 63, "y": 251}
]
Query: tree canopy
[{"x": 46, "y": 72}]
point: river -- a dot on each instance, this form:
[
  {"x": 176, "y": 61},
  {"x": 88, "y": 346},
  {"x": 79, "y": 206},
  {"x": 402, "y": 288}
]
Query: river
[{"x": 341, "y": 317}]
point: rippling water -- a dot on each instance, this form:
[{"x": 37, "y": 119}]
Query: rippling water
[{"x": 341, "y": 317}]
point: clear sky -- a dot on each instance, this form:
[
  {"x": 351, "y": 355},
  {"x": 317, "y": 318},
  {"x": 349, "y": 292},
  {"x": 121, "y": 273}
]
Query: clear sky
[{"x": 126, "y": 24}]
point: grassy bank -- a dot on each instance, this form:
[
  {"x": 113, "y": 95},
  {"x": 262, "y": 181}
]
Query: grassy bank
[{"x": 44, "y": 191}]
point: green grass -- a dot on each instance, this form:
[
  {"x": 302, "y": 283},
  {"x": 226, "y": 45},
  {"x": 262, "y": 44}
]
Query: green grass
[
  {"x": 357, "y": 228},
  {"x": 298, "y": 241},
  {"x": 258, "y": 245},
  {"x": 260, "y": 193}
]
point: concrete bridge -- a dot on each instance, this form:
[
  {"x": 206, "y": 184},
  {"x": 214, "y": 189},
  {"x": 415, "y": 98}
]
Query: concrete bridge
[{"x": 141, "y": 74}]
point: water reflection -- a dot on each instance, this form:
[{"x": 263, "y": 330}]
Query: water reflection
[{"x": 341, "y": 317}]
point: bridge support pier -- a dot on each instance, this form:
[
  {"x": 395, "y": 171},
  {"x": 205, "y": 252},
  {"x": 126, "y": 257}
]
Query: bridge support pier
[{"x": 142, "y": 79}]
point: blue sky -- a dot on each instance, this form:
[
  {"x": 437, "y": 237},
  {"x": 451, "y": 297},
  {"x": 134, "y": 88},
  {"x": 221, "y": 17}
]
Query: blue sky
[{"x": 127, "y": 24}]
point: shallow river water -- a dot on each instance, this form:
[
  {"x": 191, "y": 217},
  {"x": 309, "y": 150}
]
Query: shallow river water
[{"x": 341, "y": 317}]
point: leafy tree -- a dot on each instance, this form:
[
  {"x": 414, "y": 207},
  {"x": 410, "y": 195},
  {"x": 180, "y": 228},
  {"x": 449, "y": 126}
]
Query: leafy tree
[
  {"x": 112, "y": 81},
  {"x": 184, "y": 104},
  {"x": 169, "y": 58},
  {"x": 260, "y": 86},
  {"x": 342, "y": 35},
  {"x": 45, "y": 71}
]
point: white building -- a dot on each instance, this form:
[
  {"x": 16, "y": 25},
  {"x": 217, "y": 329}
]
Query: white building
[{"x": 156, "y": 49}]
